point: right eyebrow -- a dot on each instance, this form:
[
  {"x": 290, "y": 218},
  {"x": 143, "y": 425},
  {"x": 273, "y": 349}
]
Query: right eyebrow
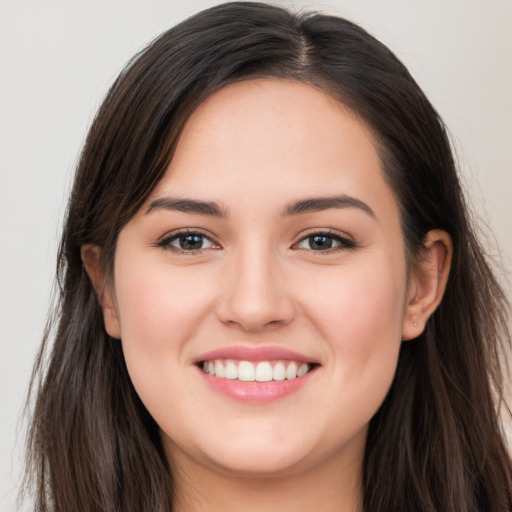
[{"x": 187, "y": 206}]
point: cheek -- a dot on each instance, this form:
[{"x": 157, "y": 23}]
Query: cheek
[
  {"x": 159, "y": 310},
  {"x": 371, "y": 295},
  {"x": 157, "y": 304},
  {"x": 360, "y": 321},
  {"x": 359, "y": 313}
]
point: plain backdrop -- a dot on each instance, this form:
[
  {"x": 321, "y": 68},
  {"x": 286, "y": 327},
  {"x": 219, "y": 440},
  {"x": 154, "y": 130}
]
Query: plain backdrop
[{"x": 57, "y": 59}]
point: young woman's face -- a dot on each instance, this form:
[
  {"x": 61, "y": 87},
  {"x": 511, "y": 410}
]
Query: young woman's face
[{"x": 271, "y": 256}]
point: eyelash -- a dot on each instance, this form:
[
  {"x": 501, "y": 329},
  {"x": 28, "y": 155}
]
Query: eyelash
[
  {"x": 167, "y": 241},
  {"x": 344, "y": 243}
]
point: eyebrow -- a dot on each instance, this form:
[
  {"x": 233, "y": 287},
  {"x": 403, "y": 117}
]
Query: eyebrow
[
  {"x": 303, "y": 206},
  {"x": 317, "y": 204},
  {"x": 187, "y": 206}
]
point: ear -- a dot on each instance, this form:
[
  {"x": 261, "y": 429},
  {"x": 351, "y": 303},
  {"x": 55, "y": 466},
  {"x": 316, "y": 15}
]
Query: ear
[
  {"x": 427, "y": 282},
  {"x": 91, "y": 256}
]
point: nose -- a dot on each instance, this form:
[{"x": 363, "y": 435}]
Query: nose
[{"x": 254, "y": 295}]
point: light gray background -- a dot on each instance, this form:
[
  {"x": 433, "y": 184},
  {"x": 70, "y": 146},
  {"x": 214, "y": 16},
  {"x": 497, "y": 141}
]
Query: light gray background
[{"x": 57, "y": 59}]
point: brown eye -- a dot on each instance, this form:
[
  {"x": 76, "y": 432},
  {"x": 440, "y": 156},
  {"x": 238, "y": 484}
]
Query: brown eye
[
  {"x": 321, "y": 242},
  {"x": 187, "y": 242}
]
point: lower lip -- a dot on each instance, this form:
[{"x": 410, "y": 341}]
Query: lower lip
[{"x": 256, "y": 392}]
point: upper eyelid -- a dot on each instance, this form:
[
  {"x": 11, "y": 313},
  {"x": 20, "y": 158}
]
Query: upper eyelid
[
  {"x": 186, "y": 231},
  {"x": 172, "y": 235},
  {"x": 325, "y": 231},
  {"x": 342, "y": 236},
  {"x": 345, "y": 241}
]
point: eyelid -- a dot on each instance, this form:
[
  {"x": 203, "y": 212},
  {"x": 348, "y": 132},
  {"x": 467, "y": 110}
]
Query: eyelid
[
  {"x": 164, "y": 241},
  {"x": 346, "y": 242}
]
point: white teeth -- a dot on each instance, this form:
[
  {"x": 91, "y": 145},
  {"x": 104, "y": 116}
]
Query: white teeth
[
  {"x": 219, "y": 370},
  {"x": 291, "y": 371},
  {"x": 246, "y": 371},
  {"x": 303, "y": 370},
  {"x": 263, "y": 371},
  {"x": 231, "y": 371},
  {"x": 279, "y": 372}
]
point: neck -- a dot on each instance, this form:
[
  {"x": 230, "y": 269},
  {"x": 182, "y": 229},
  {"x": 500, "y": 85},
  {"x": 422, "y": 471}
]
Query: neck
[{"x": 327, "y": 487}]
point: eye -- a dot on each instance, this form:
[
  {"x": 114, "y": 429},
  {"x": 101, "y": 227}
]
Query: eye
[
  {"x": 324, "y": 242},
  {"x": 188, "y": 241}
]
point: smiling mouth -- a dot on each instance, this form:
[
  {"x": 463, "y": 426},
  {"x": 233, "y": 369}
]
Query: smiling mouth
[{"x": 261, "y": 371}]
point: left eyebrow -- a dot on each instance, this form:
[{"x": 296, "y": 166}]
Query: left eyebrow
[{"x": 317, "y": 204}]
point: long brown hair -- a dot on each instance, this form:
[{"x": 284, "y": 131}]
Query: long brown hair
[{"x": 436, "y": 442}]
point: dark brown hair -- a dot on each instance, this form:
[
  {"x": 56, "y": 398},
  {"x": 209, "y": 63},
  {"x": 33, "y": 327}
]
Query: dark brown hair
[{"x": 435, "y": 444}]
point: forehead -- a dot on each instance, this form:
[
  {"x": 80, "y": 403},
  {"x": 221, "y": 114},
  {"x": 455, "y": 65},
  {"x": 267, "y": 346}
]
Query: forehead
[{"x": 254, "y": 137}]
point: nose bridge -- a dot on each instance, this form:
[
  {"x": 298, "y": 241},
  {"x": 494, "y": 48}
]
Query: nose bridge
[{"x": 255, "y": 296}]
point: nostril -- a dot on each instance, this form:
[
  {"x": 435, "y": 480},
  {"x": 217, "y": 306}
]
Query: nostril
[{"x": 254, "y": 304}]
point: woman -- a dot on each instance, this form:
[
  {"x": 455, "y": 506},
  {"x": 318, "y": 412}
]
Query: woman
[{"x": 272, "y": 297}]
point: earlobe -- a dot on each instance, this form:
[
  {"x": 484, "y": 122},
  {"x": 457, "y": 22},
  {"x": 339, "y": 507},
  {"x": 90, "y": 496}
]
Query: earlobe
[
  {"x": 427, "y": 282},
  {"x": 91, "y": 258}
]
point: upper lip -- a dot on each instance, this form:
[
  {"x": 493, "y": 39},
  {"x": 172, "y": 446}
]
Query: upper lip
[{"x": 261, "y": 353}]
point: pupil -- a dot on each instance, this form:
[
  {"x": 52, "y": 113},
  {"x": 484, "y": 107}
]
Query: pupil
[
  {"x": 191, "y": 242},
  {"x": 320, "y": 242}
]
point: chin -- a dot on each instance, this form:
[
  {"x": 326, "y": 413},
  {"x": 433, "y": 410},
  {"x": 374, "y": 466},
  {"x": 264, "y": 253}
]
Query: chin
[
  {"x": 262, "y": 454},
  {"x": 254, "y": 463}
]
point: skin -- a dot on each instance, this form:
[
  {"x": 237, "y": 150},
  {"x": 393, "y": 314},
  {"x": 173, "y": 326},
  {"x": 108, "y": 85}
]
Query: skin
[{"x": 253, "y": 148}]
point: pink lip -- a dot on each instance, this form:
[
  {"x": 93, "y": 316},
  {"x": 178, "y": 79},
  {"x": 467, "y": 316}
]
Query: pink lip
[
  {"x": 244, "y": 353},
  {"x": 256, "y": 392}
]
